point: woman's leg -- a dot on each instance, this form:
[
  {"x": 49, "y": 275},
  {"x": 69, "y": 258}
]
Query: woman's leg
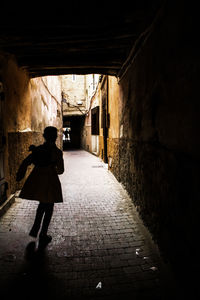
[
  {"x": 47, "y": 218},
  {"x": 38, "y": 218}
]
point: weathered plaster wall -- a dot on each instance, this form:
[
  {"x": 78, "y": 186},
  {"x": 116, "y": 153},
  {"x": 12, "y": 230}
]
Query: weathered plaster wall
[
  {"x": 29, "y": 106},
  {"x": 16, "y": 113},
  {"x": 17, "y": 102},
  {"x": 159, "y": 129},
  {"x": 113, "y": 130},
  {"x": 103, "y": 118},
  {"x": 45, "y": 94},
  {"x": 73, "y": 87},
  {"x": 86, "y": 142},
  {"x": 101, "y": 141},
  {"x": 90, "y": 142}
]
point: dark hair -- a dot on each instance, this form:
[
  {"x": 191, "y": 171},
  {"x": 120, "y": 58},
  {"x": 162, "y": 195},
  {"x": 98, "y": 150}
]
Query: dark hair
[{"x": 50, "y": 133}]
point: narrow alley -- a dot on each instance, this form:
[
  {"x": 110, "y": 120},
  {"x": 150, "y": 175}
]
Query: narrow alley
[
  {"x": 120, "y": 82},
  {"x": 99, "y": 250}
]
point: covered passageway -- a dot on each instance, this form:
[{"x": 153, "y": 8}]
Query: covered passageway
[{"x": 152, "y": 48}]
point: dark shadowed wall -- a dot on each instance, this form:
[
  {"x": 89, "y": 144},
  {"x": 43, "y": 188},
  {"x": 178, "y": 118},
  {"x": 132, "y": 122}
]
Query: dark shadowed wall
[{"x": 159, "y": 145}]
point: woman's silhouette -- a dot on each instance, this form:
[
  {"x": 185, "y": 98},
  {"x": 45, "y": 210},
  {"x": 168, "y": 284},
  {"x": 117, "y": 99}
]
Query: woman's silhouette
[{"x": 43, "y": 183}]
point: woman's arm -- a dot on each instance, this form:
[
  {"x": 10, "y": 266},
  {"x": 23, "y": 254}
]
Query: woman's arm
[
  {"x": 60, "y": 163},
  {"x": 23, "y": 167}
]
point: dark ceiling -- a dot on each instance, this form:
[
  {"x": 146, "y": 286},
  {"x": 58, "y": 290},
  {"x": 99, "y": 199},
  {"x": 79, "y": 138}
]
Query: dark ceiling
[{"x": 79, "y": 38}]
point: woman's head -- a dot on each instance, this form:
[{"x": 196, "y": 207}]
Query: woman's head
[{"x": 50, "y": 134}]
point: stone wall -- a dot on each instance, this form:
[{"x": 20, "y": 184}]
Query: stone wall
[
  {"x": 113, "y": 156},
  {"x": 159, "y": 129},
  {"x": 18, "y": 145}
]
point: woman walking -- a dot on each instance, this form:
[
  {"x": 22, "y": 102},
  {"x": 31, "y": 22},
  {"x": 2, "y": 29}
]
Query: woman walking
[{"x": 43, "y": 183}]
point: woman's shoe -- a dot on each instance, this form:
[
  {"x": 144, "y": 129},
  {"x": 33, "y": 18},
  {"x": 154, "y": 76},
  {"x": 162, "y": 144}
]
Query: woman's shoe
[
  {"x": 45, "y": 238},
  {"x": 33, "y": 233}
]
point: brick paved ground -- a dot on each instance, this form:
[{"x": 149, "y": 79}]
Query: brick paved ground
[{"x": 97, "y": 237}]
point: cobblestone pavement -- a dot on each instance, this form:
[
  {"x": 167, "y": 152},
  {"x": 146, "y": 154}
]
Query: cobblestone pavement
[{"x": 100, "y": 249}]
